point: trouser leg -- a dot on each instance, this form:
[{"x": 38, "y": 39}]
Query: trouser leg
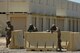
[
  {"x": 7, "y": 41},
  {"x": 59, "y": 46},
  {"x": 59, "y": 40}
]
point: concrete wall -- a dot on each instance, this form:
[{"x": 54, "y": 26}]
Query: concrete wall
[
  {"x": 17, "y": 40},
  {"x": 52, "y": 7},
  {"x": 3, "y": 6},
  {"x": 69, "y": 39},
  {"x": 43, "y": 22},
  {"x": 73, "y": 9},
  {"x": 61, "y": 7},
  {"x": 76, "y": 41},
  {"x": 39, "y": 39},
  {"x": 18, "y": 7},
  {"x": 42, "y": 7},
  {"x": 14, "y": 7}
]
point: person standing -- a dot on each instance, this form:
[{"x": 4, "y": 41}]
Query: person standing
[
  {"x": 8, "y": 30},
  {"x": 59, "y": 40},
  {"x": 54, "y": 28}
]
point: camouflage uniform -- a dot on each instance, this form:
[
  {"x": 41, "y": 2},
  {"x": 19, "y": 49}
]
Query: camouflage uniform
[
  {"x": 8, "y": 29},
  {"x": 54, "y": 28}
]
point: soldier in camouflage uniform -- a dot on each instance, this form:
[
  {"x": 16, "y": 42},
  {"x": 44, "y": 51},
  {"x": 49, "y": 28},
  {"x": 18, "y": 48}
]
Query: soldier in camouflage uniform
[
  {"x": 8, "y": 30},
  {"x": 54, "y": 28}
]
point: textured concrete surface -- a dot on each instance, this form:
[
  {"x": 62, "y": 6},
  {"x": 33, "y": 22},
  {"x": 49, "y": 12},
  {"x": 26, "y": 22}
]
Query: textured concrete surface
[{"x": 3, "y": 49}]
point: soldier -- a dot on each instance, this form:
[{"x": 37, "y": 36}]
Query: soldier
[
  {"x": 54, "y": 28},
  {"x": 59, "y": 40},
  {"x": 31, "y": 28},
  {"x": 8, "y": 29}
]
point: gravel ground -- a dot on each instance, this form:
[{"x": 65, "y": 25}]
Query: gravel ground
[{"x": 3, "y": 49}]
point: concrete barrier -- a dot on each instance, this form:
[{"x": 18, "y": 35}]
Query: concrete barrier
[
  {"x": 76, "y": 40},
  {"x": 66, "y": 39},
  {"x": 47, "y": 40},
  {"x": 40, "y": 40},
  {"x": 17, "y": 40}
]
